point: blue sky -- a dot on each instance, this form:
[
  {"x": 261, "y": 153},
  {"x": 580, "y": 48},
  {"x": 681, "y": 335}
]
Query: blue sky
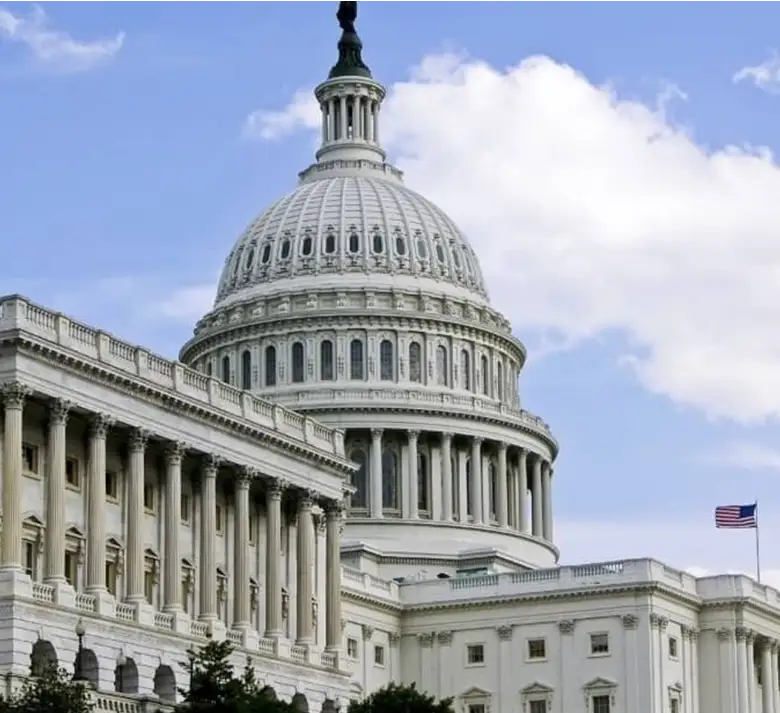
[{"x": 619, "y": 184}]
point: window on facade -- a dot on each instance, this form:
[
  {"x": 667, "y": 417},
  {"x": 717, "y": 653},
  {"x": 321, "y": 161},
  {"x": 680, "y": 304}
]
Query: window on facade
[
  {"x": 149, "y": 587},
  {"x": 352, "y": 648},
  {"x": 500, "y": 380},
  {"x": 250, "y": 258},
  {"x": 599, "y": 643},
  {"x": 306, "y": 246},
  {"x": 378, "y": 245},
  {"x": 30, "y": 556},
  {"x": 225, "y": 375},
  {"x": 422, "y": 248},
  {"x": 246, "y": 369},
  {"x": 330, "y": 244},
  {"x": 112, "y": 485},
  {"x": 297, "y": 363},
  {"x": 465, "y": 369},
  {"x": 475, "y": 654},
  {"x": 456, "y": 257},
  {"x": 537, "y": 649},
  {"x": 285, "y": 250},
  {"x": 415, "y": 362},
  {"x": 149, "y": 499},
  {"x": 386, "y": 364},
  {"x": 72, "y": 475},
  {"x": 537, "y": 707},
  {"x": 266, "y": 254},
  {"x": 111, "y": 577},
  {"x": 423, "y": 502},
  {"x": 29, "y": 458},
  {"x": 600, "y": 704},
  {"x": 379, "y": 655},
  {"x": 71, "y": 568},
  {"x": 442, "y": 377},
  {"x": 477, "y": 708},
  {"x": 484, "y": 375},
  {"x": 440, "y": 252},
  {"x": 356, "y": 370},
  {"x": 400, "y": 245},
  {"x": 209, "y": 368},
  {"x": 672, "y": 647},
  {"x": 270, "y": 366},
  {"x": 359, "y": 498},
  {"x": 390, "y": 494},
  {"x": 354, "y": 242},
  {"x": 327, "y": 372}
]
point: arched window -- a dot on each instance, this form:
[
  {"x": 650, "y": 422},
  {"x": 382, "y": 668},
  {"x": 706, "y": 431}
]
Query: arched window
[
  {"x": 354, "y": 242},
  {"x": 423, "y": 499},
  {"x": 356, "y": 370},
  {"x": 415, "y": 362},
  {"x": 270, "y": 366},
  {"x": 359, "y": 499},
  {"x": 306, "y": 246},
  {"x": 465, "y": 368},
  {"x": 326, "y": 361},
  {"x": 484, "y": 375},
  {"x": 390, "y": 490},
  {"x": 500, "y": 380},
  {"x": 226, "y": 369},
  {"x": 330, "y": 244},
  {"x": 378, "y": 244},
  {"x": 441, "y": 366},
  {"x": 266, "y": 256},
  {"x": 386, "y": 365},
  {"x": 246, "y": 370},
  {"x": 297, "y": 363}
]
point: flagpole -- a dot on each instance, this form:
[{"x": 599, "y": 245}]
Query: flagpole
[{"x": 758, "y": 548}]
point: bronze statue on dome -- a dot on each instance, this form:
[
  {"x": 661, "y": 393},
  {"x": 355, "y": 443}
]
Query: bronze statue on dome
[{"x": 346, "y": 15}]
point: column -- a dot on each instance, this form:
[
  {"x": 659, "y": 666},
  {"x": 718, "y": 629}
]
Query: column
[
  {"x": 742, "y": 670},
  {"x": 305, "y": 565},
  {"x": 751, "y": 675},
  {"x": 333, "y": 575},
  {"x": 522, "y": 491},
  {"x": 273, "y": 544},
  {"x": 476, "y": 481},
  {"x": 14, "y": 395},
  {"x": 547, "y": 517},
  {"x": 135, "y": 515},
  {"x": 208, "y": 537},
  {"x": 414, "y": 475},
  {"x": 241, "y": 613},
  {"x": 501, "y": 489},
  {"x": 174, "y": 453},
  {"x": 775, "y": 692},
  {"x": 446, "y": 476},
  {"x": 343, "y": 117},
  {"x": 375, "y": 499},
  {"x": 55, "y": 492},
  {"x": 694, "y": 634},
  {"x": 511, "y": 496},
  {"x": 766, "y": 666},
  {"x": 96, "y": 518},
  {"x": 536, "y": 497}
]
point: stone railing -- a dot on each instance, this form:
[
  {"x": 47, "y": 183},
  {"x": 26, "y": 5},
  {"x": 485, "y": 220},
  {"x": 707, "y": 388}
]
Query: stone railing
[
  {"x": 119, "y": 703},
  {"x": 18, "y": 313},
  {"x": 355, "y": 580}
]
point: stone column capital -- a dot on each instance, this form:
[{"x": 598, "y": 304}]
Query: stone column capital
[
  {"x": 504, "y": 632},
  {"x": 244, "y": 476},
  {"x": 724, "y": 634},
  {"x": 59, "y": 410},
  {"x": 333, "y": 509},
  {"x": 413, "y": 434},
  {"x": 566, "y": 626},
  {"x": 447, "y": 436},
  {"x": 275, "y": 487},
  {"x": 14, "y": 394},
  {"x": 394, "y": 639},
  {"x": 139, "y": 438},
  {"x": 630, "y": 621},
  {"x": 99, "y": 424},
  {"x": 175, "y": 452},
  {"x": 376, "y": 433},
  {"x": 741, "y": 633},
  {"x": 306, "y": 499},
  {"x": 368, "y": 632},
  {"x": 502, "y": 448},
  {"x": 477, "y": 441},
  {"x": 211, "y": 464}
]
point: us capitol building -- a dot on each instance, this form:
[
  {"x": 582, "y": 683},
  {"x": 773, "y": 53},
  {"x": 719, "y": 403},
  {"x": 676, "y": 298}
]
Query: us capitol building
[{"x": 338, "y": 477}]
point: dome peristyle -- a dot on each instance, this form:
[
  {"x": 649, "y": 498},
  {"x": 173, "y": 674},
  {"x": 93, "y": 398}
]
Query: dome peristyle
[{"x": 350, "y": 229}]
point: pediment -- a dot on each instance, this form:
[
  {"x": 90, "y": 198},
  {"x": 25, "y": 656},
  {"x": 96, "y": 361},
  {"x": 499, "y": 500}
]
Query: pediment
[
  {"x": 187, "y": 564},
  {"x": 74, "y": 531},
  {"x": 151, "y": 554},
  {"x": 475, "y": 692},
  {"x": 600, "y": 682},
  {"x": 114, "y": 543},
  {"x": 536, "y": 688},
  {"x": 33, "y": 521}
]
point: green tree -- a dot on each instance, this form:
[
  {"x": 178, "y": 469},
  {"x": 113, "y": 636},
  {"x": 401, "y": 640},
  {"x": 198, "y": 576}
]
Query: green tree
[
  {"x": 53, "y": 690},
  {"x": 215, "y": 688},
  {"x": 400, "y": 699}
]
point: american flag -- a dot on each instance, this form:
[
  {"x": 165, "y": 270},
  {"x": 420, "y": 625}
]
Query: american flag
[{"x": 736, "y": 516}]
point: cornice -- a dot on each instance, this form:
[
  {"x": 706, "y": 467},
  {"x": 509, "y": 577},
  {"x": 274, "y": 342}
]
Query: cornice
[{"x": 83, "y": 366}]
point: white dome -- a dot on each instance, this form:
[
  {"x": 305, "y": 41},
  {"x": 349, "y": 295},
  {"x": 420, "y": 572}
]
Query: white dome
[{"x": 349, "y": 229}]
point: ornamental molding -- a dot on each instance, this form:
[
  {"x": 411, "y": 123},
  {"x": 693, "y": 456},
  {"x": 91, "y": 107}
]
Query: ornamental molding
[
  {"x": 103, "y": 374},
  {"x": 566, "y": 626},
  {"x": 504, "y": 632},
  {"x": 630, "y": 621},
  {"x": 444, "y": 638},
  {"x": 425, "y": 639}
]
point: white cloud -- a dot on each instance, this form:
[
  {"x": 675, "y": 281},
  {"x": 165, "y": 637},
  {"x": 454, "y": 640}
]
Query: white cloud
[
  {"x": 55, "y": 48},
  {"x": 188, "y": 304},
  {"x": 594, "y": 214},
  {"x": 745, "y": 455},
  {"x": 765, "y": 76},
  {"x": 301, "y": 112}
]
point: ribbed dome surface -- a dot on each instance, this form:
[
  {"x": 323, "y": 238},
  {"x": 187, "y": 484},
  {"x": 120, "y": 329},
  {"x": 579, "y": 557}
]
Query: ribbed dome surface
[{"x": 356, "y": 226}]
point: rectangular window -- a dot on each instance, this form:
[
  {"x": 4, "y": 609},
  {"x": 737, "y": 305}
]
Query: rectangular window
[
  {"x": 71, "y": 568},
  {"x": 537, "y": 707},
  {"x": 29, "y": 458},
  {"x": 599, "y": 644},
  {"x": 218, "y": 518},
  {"x": 185, "y": 595},
  {"x": 185, "y": 507},
  {"x": 601, "y": 704},
  {"x": 672, "y": 647},
  {"x": 537, "y": 649},
  {"x": 475, "y": 654},
  {"x": 72, "y": 475},
  {"x": 149, "y": 586},
  {"x": 30, "y": 554},
  {"x": 379, "y": 655},
  {"x": 149, "y": 499},
  {"x": 252, "y": 525},
  {"x": 476, "y": 708},
  {"x": 111, "y": 577},
  {"x": 352, "y": 648},
  {"x": 112, "y": 485}
]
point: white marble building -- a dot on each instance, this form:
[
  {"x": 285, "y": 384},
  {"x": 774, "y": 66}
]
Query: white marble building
[{"x": 339, "y": 477}]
